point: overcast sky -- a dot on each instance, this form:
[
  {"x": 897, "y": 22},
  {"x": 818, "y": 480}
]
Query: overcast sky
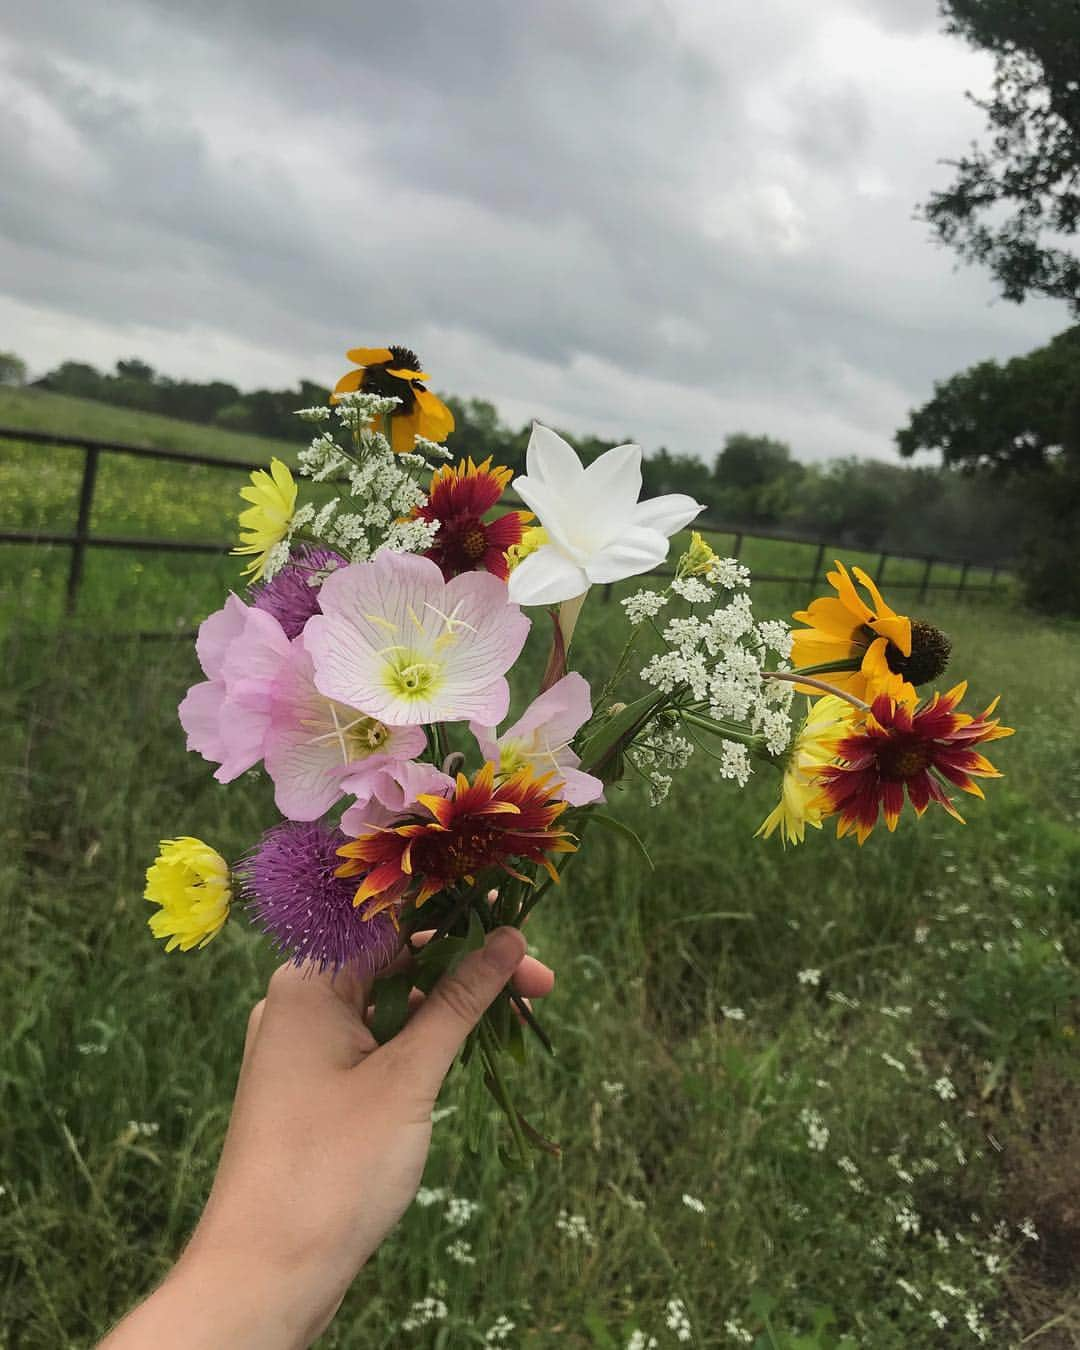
[{"x": 670, "y": 219}]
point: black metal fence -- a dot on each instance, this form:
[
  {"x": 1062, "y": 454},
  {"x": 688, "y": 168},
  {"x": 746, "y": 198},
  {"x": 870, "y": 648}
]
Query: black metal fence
[{"x": 83, "y": 538}]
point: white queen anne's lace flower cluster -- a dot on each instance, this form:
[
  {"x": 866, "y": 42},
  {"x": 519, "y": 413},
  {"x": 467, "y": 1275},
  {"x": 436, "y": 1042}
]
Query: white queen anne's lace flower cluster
[
  {"x": 382, "y": 487},
  {"x": 718, "y": 656}
]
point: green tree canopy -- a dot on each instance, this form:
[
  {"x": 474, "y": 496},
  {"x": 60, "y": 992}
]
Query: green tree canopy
[
  {"x": 1019, "y": 416},
  {"x": 1015, "y": 200},
  {"x": 12, "y": 369}
]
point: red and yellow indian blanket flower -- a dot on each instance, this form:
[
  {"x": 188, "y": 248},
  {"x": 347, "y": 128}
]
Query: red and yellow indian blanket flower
[
  {"x": 459, "y": 497},
  {"x": 394, "y": 372},
  {"x": 481, "y": 825},
  {"x": 864, "y": 648},
  {"x": 898, "y": 748}
]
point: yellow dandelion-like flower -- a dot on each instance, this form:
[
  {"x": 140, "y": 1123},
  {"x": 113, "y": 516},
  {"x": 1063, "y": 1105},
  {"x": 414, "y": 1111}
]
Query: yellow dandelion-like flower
[
  {"x": 828, "y": 721},
  {"x": 190, "y": 881},
  {"x": 267, "y": 521}
]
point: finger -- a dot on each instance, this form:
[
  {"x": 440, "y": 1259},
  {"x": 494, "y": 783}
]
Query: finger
[
  {"x": 254, "y": 1021},
  {"x": 316, "y": 1019},
  {"x": 533, "y": 979},
  {"x": 433, "y": 1037}
]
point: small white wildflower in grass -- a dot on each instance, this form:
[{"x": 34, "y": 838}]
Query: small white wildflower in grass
[
  {"x": 817, "y": 1132},
  {"x": 1028, "y": 1230},
  {"x": 639, "y": 1341},
  {"x": 907, "y": 1220},
  {"x": 677, "y": 1320},
  {"x": 90, "y": 1048},
  {"x": 922, "y": 932},
  {"x": 910, "y": 1290},
  {"x": 459, "y": 1211},
  {"x": 423, "y": 1311},
  {"x": 427, "y": 1196},
  {"x": 893, "y": 1062},
  {"x": 847, "y": 1165},
  {"x": 146, "y": 1128},
  {"x": 844, "y": 1000},
  {"x": 776, "y": 636},
  {"x": 938, "y": 1318},
  {"x": 810, "y": 976},
  {"x": 947, "y": 1288},
  {"x": 499, "y": 1330},
  {"x": 993, "y": 1263},
  {"x": 461, "y": 1251},
  {"x": 615, "y": 1091},
  {"x": 734, "y": 1014},
  {"x": 574, "y": 1227},
  {"x": 735, "y": 1331},
  {"x": 975, "y": 1323},
  {"x": 692, "y": 1202},
  {"x": 878, "y": 1245}
]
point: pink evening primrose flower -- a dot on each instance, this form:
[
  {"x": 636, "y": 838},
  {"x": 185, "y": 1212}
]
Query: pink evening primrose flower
[
  {"x": 541, "y": 738},
  {"x": 226, "y": 716},
  {"x": 260, "y": 703},
  {"x": 318, "y": 749},
  {"x": 389, "y": 792},
  {"x": 396, "y": 639},
  {"x": 597, "y": 530}
]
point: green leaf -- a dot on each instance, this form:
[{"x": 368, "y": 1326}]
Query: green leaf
[
  {"x": 598, "y": 1330},
  {"x": 608, "y": 738},
  {"x": 620, "y": 827},
  {"x": 391, "y": 1006}
]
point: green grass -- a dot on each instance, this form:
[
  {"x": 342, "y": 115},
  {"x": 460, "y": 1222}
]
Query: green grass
[
  {"x": 943, "y": 952},
  {"x": 951, "y": 950}
]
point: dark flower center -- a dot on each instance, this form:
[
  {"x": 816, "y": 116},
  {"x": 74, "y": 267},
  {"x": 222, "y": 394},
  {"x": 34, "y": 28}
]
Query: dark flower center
[
  {"x": 473, "y": 540},
  {"x": 930, "y": 651},
  {"x": 377, "y": 380},
  {"x": 904, "y": 757}
]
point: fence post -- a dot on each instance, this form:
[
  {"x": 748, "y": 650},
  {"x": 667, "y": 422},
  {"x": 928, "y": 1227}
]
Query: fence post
[
  {"x": 994, "y": 575},
  {"x": 736, "y": 546},
  {"x": 819, "y": 558},
  {"x": 82, "y": 525},
  {"x": 963, "y": 578},
  {"x": 880, "y": 569},
  {"x": 925, "y": 583},
  {"x": 607, "y": 593}
]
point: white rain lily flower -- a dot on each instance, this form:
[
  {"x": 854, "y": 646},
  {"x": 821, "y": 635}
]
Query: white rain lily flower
[{"x": 597, "y": 529}]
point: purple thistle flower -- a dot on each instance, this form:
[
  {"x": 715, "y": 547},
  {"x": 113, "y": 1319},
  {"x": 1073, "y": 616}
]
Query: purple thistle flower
[
  {"x": 292, "y": 597},
  {"x": 294, "y": 896}
]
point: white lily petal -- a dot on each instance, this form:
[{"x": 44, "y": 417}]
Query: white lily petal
[
  {"x": 668, "y": 514},
  {"x": 613, "y": 480},
  {"x": 638, "y": 550},
  {"x": 550, "y": 459},
  {"x": 546, "y": 577},
  {"x": 550, "y": 505}
]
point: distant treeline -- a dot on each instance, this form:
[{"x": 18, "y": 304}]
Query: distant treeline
[{"x": 751, "y": 480}]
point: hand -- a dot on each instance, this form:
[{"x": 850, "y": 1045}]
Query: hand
[{"x": 324, "y": 1153}]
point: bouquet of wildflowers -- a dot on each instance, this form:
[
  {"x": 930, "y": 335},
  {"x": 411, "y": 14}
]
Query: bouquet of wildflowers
[{"x": 367, "y": 672}]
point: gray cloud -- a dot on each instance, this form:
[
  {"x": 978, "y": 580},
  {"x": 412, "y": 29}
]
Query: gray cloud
[{"x": 672, "y": 219}]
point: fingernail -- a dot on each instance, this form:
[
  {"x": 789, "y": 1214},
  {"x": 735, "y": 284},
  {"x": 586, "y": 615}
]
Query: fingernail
[{"x": 504, "y": 950}]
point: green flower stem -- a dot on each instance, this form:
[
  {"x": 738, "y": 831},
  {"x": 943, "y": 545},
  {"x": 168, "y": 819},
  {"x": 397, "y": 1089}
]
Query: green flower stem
[
  {"x": 800, "y": 677},
  {"x": 487, "y": 923},
  {"x": 729, "y": 733},
  {"x": 489, "y": 1053},
  {"x": 851, "y": 663}
]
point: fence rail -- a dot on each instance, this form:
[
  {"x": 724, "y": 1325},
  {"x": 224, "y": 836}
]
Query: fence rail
[{"x": 82, "y": 538}]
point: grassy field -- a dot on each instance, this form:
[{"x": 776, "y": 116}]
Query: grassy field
[
  {"x": 814, "y": 1095},
  {"x": 39, "y": 491}
]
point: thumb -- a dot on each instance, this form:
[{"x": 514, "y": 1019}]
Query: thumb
[{"x": 437, "y": 1031}]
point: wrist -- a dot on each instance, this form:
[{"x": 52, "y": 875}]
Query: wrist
[{"x": 205, "y": 1304}]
